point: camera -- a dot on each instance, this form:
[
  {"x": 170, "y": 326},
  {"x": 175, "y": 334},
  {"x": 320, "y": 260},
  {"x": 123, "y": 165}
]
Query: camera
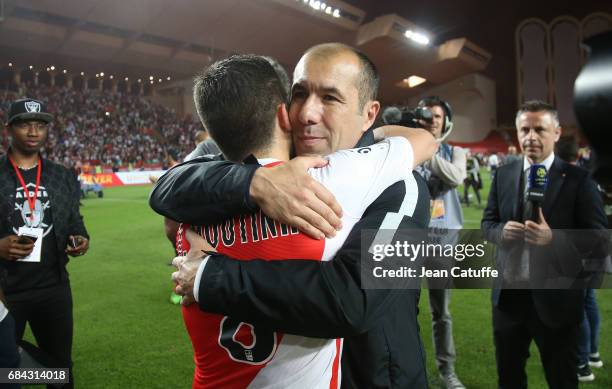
[
  {"x": 403, "y": 116},
  {"x": 74, "y": 241},
  {"x": 26, "y": 239},
  {"x": 592, "y": 101}
]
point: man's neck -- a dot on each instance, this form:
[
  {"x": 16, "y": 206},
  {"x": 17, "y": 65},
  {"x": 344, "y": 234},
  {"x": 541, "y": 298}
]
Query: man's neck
[
  {"x": 279, "y": 155},
  {"x": 23, "y": 160},
  {"x": 534, "y": 162},
  {"x": 547, "y": 161},
  {"x": 278, "y": 150}
]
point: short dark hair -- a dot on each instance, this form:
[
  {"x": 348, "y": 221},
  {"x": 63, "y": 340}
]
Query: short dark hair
[
  {"x": 173, "y": 153},
  {"x": 236, "y": 99},
  {"x": 538, "y": 106},
  {"x": 282, "y": 75},
  {"x": 567, "y": 149},
  {"x": 368, "y": 80}
]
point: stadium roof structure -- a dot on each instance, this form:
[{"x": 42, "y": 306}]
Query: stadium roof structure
[{"x": 138, "y": 38}]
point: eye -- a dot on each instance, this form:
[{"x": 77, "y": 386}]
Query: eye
[
  {"x": 330, "y": 98},
  {"x": 298, "y": 94}
]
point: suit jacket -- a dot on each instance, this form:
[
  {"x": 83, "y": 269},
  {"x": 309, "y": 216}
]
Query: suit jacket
[{"x": 571, "y": 201}]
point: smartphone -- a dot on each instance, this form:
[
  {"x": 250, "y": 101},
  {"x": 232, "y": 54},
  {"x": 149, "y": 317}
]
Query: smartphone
[
  {"x": 74, "y": 242},
  {"x": 26, "y": 239}
]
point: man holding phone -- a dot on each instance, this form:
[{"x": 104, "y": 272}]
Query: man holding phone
[{"x": 40, "y": 225}]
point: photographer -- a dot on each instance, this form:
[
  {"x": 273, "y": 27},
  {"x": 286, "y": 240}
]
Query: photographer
[{"x": 443, "y": 173}]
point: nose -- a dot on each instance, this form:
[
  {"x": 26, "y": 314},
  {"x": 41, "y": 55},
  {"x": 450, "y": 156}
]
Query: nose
[
  {"x": 33, "y": 130},
  {"x": 531, "y": 135},
  {"x": 310, "y": 111}
]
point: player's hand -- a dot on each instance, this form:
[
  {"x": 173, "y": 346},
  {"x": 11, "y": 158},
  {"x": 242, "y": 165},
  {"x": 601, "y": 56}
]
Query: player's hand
[
  {"x": 538, "y": 234},
  {"x": 82, "y": 245},
  {"x": 513, "y": 231},
  {"x": 12, "y": 250},
  {"x": 288, "y": 194}
]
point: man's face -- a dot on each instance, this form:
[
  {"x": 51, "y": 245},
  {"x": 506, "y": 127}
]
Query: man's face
[
  {"x": 537, "y": 134},
  {"x": 28, "y": 136},
  {"x": 438, "y": 121},
  {"x": 325, "y": 114}
]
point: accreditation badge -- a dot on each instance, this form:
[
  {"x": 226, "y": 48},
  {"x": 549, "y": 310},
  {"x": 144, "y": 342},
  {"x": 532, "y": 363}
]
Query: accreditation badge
[
  {"x": 34, "y": 233},
  {"x": 437, "y": 209}
]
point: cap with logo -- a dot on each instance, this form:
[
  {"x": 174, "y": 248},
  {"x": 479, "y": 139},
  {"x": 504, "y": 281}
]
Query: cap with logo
[{"x": 28, "y": 109}]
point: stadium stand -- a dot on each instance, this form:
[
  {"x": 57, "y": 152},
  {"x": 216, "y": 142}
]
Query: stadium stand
[{"x": 106, "y": 131}]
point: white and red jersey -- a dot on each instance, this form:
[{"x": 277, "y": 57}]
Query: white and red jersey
[{"x": 233, "y": 354}]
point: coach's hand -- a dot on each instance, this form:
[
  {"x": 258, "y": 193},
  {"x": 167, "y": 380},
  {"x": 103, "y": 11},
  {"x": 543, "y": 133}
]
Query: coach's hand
[
  {"x": 185, "y": 276},
  {"x": 287, "y": 193},
  {"x": 11, "y": 250},
  {"x": 188, "y": 266}
]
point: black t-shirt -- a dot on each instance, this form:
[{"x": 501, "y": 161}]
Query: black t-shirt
[{"x": 24, "y": 276}]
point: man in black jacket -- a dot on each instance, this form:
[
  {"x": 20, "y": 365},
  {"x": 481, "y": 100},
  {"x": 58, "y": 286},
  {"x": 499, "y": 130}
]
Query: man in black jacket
[
  {"x": 40, "y": 225},
  {"x": 332, "y": 105},
  {"x": 571, "y": 201}
]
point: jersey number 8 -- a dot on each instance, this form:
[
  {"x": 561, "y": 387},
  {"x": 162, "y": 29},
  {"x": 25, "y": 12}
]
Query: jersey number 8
[{"x": 259, "y": 352}]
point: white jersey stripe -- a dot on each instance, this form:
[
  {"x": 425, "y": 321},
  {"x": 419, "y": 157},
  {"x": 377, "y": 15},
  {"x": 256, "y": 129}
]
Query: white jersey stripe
[{"x": 392, "y": 220}]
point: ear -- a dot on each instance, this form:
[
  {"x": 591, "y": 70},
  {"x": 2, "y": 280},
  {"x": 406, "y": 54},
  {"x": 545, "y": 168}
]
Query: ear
[
  {"x": 370, "y": 111},
  {"x": 282, "y": 116},
  {"x": 558, "y": 132}
]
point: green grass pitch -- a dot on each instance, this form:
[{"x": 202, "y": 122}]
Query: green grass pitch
[{"x": 128, "y": 335}]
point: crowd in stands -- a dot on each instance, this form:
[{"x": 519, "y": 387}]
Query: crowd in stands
[
  {"x": 113, "y": 130},
  {"x": 103, "y": 130}
]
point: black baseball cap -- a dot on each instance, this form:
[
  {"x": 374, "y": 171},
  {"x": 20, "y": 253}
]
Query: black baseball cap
[{"x": 28, "y": 109}]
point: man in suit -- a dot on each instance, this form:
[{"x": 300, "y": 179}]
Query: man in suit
[{"x": 550, "y": 317}]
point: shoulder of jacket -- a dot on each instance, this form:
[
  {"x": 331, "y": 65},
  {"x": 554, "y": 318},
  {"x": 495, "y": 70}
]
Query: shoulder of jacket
[
  {"x": 53, "y": 165},
  {"x": 574, "y": 172},
  {"x": 510, "y": 166}
]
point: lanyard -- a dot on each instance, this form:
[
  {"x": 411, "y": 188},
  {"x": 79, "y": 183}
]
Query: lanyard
[{"x": 31, "y": 200}]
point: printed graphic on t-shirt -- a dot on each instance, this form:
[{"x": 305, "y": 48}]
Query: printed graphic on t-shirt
[{"x": 37, "y": 217}]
